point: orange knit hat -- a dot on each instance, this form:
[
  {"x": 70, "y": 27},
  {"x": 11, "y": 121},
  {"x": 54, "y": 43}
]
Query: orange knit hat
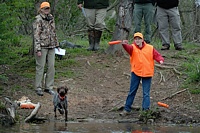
[
  {"x": 138, "y": 34},
  {"x": 44, "y": 4}
]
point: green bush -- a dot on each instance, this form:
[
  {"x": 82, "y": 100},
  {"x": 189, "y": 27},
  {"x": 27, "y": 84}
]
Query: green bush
[{"x": 3, "y": 78}]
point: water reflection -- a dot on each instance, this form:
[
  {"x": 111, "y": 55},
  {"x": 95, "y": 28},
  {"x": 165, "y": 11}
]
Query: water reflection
[{"x": 62, "y": 127}]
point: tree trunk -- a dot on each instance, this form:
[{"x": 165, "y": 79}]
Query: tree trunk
[
  {"x": 197, "y": 24},
  {"x": 123, "y": 24}
]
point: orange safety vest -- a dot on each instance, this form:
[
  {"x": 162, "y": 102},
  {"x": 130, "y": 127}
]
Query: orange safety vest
[{"x": 142, "y": 62}]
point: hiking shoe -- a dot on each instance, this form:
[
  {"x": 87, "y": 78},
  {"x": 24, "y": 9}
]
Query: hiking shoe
[
  {"x": 89, "y": 49},
  {"x": 51, "y": 92},
  {"x": 165, "y": 47},
  {"x": 124, "y": 113},
  {"x": 179, "y": 48},
  {"x": 39, "y": 92}
]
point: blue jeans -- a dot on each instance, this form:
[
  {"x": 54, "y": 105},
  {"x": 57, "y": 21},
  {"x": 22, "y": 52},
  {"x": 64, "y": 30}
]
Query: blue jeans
[{"x": 146, "y": 85}]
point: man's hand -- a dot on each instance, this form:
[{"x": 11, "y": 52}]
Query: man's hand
[
  {"x": 58, "y": 49},
  {"x": 80, "y": 6},
  {"x": 39, "y": 53}
]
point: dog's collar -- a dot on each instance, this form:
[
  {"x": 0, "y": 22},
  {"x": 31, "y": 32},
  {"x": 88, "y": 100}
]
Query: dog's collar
[{"x": 62, "y": 98}]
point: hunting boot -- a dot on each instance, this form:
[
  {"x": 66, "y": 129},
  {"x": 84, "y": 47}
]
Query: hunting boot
[
  {"x": 178, "y": 47},
  {"x": 91, "y": 40},
  {"x": 97, "y": 39}
]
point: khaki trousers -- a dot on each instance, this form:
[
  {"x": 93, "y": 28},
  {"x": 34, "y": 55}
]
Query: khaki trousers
[
  {"x": 95, "y": 18},
  {"x": 165, "y": 19},
  {"x": 48, "y": 58}
]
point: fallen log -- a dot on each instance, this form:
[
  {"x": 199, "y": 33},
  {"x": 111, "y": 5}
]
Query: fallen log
[
  {"x": 31, "y": 117},
  {"x": 7, "y": 113},
  {"x": 12, "y": 107},
  {"x": 6, "y": 119}
]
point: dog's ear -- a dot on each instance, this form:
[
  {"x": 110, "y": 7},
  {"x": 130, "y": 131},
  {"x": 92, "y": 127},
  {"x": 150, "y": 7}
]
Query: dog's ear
[
  {"x": 66, "y": 90},
  {"x": 58, "y": 89}
]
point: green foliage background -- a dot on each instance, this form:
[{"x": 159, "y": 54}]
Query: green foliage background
[{"x": 16, "y": 18}]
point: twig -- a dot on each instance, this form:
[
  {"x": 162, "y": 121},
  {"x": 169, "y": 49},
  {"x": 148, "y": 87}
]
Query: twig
[
  {"x": 161, "y": 78},
  {"x": 197, "y": 85},
  {"x": 170, "y": 64},
  {"x": 170, "y": 76},
  {"x": 178, "y": 92},
  {"x": 127, "y": 74},
  {"x": 176, "y": 71},
  {"x": 88, "y": 63},
  {"x": 190, "y": 96},
  {"x": 168, "y": 67},
  {"x": 116, "y": 106},
  {"x": 197, "y": 68}
]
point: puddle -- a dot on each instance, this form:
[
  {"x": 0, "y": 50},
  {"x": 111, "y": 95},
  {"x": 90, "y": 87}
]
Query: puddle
[{"x": 59, "y": 127}]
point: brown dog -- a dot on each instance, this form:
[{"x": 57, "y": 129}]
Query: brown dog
[{"x": 60, "y": 101}]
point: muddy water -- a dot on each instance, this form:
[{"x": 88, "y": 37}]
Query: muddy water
[{"x": 61, "y": 127}]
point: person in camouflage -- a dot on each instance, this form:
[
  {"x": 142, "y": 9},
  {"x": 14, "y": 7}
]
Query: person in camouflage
[
  {"x": 95, "y": 13},
  {"x": 45, "y": 42}
]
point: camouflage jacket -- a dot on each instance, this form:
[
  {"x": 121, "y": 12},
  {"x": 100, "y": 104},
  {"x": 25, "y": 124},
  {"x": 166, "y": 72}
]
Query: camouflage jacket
[{"x": 44, "y": 32}]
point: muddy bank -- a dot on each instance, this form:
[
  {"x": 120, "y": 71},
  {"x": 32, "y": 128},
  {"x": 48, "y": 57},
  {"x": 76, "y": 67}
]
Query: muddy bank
[{"x": 99, "y": 88}]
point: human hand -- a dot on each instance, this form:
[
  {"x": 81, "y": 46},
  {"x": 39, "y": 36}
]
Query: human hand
[
  {"x": 124, "y": 41},
  {"x": 58, "y": 49},
  {"x": 161, "y": 62},
  {"x": 80, "y": 6},
  {"x": 39, "y": 53}
]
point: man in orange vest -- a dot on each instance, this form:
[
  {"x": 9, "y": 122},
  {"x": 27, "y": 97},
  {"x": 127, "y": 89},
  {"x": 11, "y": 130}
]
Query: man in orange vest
[{"x": 142, "y": 56}]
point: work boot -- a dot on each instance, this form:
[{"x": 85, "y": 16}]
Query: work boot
[
  {"x": 91, "y": 40},
  {"x": 178, "y": 47},
  {"x": 39, "y": 92},
  {"x": 97, "y": 39},
  {"x": 165, "y": 47},
  {"x": 124, "y": 113}
]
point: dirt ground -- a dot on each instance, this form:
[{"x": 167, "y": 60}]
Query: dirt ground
[{"x": 100, "y": 87}]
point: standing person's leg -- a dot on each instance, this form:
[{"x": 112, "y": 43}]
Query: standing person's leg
[
  {"x": 175, "y": 21},
  {"x": 90, "y": 19},
  {"x": 163, "y": 27},
  {"x": 146, "y": 86},
  {"x": 137, "y": 17},
  {"x": 135, "y": 81},
  {"x": 40, "y": 63},
  {"x": 148, "y": 17},
  {"x": 99, "y": 26},
  {"x": 49, "y": 81}
]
